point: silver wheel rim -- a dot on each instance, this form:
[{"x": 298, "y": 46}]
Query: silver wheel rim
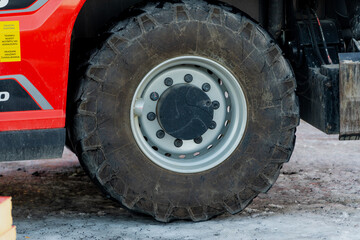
[{"x": 217, "y": 144}]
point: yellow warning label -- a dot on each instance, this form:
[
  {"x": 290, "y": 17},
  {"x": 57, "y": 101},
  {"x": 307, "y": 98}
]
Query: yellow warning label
[{"x": 10, "y": 42}]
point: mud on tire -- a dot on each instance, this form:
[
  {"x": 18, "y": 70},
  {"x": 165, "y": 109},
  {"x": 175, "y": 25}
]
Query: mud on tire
[{"x": 101, "y": 131}]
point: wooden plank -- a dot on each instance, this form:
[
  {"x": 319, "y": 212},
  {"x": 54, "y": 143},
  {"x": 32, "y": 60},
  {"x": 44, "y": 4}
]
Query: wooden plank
[
  {"x": 9, "y": 235},
  {"x": 349, "y": 96},
  {"x": 5, "y": 215}
]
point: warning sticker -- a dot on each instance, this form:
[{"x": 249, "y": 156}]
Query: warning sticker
[{"x": 10, "y": 42}]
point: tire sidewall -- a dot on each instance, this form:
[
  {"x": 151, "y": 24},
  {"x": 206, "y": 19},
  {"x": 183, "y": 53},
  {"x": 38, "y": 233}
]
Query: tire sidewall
[{"x": 255, "y": 63}]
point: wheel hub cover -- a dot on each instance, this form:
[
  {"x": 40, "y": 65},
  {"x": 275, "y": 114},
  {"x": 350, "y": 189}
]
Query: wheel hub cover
[{"x": 185, "y": 111}]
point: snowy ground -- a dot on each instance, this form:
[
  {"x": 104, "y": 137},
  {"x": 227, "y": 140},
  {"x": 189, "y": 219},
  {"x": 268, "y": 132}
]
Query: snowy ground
[{"x": 317, "y": 196}]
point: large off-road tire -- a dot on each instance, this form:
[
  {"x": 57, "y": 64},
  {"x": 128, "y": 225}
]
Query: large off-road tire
[{"x": 256, "y": 112}]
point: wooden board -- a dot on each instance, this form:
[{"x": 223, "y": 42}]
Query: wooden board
[
  {"x": 349, "y": 96},
  {"x": 9, "y": 235},
  {"x": 5, "y": 215}
]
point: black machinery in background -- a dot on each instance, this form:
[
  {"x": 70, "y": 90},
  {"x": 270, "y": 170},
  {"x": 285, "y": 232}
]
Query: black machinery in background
[{"x": 313, "y": 46}]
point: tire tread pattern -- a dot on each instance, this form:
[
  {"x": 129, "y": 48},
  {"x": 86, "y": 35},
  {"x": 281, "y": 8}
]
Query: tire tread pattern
[{"x": 86, "y": 122}]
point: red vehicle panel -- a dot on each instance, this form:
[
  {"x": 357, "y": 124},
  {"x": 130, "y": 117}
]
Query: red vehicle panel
[{"x": 45, "y": 35}]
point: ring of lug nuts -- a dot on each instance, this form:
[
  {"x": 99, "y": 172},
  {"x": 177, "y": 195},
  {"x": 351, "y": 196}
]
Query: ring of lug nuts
[{"x": 215, "y": 105}]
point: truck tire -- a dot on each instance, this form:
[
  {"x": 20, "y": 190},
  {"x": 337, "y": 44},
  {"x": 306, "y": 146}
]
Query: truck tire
[{"x": 187, "y": 111}]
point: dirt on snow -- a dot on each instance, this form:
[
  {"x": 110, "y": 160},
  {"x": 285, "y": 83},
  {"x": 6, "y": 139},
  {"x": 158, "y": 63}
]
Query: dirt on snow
[{"x": 317, "y": 196}]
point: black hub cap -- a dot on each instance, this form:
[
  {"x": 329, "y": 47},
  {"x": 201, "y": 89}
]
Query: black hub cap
[{"x": 185, "y": 111}]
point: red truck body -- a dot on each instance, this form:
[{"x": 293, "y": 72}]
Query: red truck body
[{"x": 43, "y": 64}]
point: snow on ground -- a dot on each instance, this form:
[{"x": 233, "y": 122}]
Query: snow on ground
[{"x": 317, "y": 196}]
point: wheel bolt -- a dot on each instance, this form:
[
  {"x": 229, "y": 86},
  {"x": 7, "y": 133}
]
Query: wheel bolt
[
  {"x": 198, "y": 140},
  {"x": 208, "y": 103},
  {"x": 212, "y": 125},
  {"x": 160, "y": 134},
  {"x": 154, "y": 96},
  {"x": 206, "y": 87},
  {"x": 178, "y": 143},
  {"x": 188, "y": 78},
  {"x": 151, "y": 116},
  {"x": 169, "y": 82},
  {"x": 215, "y": 105}
]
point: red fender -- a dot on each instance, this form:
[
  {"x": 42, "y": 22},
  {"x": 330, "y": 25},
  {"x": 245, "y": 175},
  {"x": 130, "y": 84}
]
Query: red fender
[{"x": 45, "y": 39}]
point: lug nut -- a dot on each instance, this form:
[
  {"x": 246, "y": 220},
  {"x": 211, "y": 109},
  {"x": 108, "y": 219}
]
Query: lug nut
[
  {"x": 169, "y": 82},
  {"x": 206, "y": 87},
  {"x": 178, "y": 143},
  {"x": 188, "y": 78},
  {"x": 215, "y": 105},
  {"x": 154, "y": 96},
  {"x": 212, "y": 125},
  {"x": 208, "y": 103},
  {"x": 198, "y": 140},
  {"x": 160, "y": 134},
  {"x": 151, "y": 116}
]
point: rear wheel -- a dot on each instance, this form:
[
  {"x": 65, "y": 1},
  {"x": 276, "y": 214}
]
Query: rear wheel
[{"x": 186, "y": 112}]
